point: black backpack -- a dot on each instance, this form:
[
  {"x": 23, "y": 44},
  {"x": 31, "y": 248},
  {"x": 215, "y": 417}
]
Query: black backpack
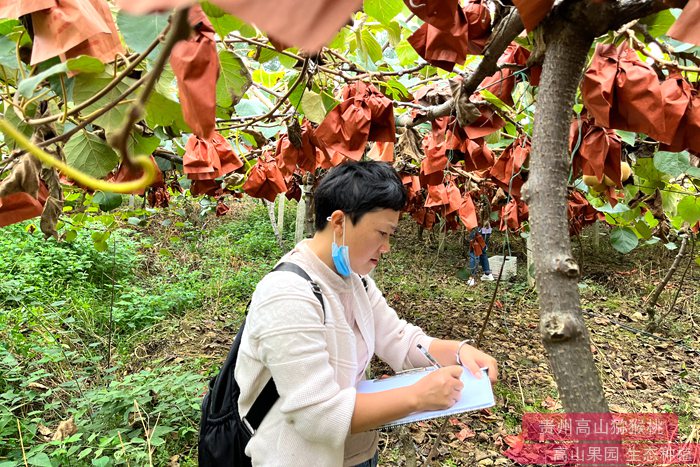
[{"x": 223, "y": 433}]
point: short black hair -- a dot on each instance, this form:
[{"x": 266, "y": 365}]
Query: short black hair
[{"x": 357, "y": 188}]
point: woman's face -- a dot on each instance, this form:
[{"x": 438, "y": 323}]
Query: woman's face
[{"x": 369, "y": 238}]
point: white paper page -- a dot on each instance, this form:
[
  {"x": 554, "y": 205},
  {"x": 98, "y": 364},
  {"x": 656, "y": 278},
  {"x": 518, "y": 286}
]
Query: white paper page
[{"x": 477, "y": 393}]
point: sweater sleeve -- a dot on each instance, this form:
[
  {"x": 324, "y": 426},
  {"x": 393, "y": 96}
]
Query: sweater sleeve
[
  {"x": 396, "y": 340},
  {"x": 287, "y": 330}
]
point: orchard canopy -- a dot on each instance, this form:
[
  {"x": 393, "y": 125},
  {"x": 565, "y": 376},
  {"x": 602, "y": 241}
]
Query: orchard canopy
[{"x": 235, "y": 97}]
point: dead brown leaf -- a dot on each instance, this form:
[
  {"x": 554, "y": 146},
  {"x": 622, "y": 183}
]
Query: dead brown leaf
[
  {"x": 408, "y": 145},
  {"x": 23, "y": 178},
  {"x": 65, "y": 429},
  {"x": 35, "y": 385},
  {"x": 49, "y": 217}
]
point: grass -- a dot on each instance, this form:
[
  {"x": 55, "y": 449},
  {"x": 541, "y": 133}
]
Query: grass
[{"x": 60, "y": 303}]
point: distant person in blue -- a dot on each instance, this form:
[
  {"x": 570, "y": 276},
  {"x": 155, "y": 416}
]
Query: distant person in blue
[{"x": 479, "y": 239}]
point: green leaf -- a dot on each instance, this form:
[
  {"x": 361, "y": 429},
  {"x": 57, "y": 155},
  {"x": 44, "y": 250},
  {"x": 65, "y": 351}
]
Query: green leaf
[
  {"x": 234, "y": 79},
  {"x": 28, "y": 85},
  {"x": 103, "y": 461},
  {"x": 250, "y": 107},
  {"x": 383, "y": 10},
  {"x": 8, "y": 54},
  {"x": 491, "y": 98},
  {"x": 163, "y": 111},
  {"x": 653, "y": 178},
  {"x": 24, "y": 128},
  {"x": 338, "y": 42},
  {"x": 87, "y": 85},
  {"x": 82, "y": 64},
  {"x": 627, "y": 137},
  {"x": 397, "y": 89},
  {"x": 138, "y": 144},
  {"x": 40, "y": 460},
  {"x": 141, "y": 30},
  {"x": 643, "y": 229},
  {"x": 659, "y": 23},
  {"x": 107, "y": 201},
  {"x": 7, "y": 25},
  {"x": 85, "y": 64},
  {"x": 223, "y": 25},
  {"x": 312, "y": 106},
  {"x": 370, "y": 46},
  {"x": 650, "y": 219},
  {"x": 212, "y": 11},
  {"x": 689, "y": 209},
  {"x": 674, "y": 164},
  {"x": 100, "y": 236},
  {"x": 71, "y": 235},
  {"x": 394, "y": 30},
  {"x": 90, "y": 154},
  {"x": 295, "y": 96},
  {"x": 267, "y": 55},
  {"x": 267, "y": 79},
  {"x": 623, "y": 239}
]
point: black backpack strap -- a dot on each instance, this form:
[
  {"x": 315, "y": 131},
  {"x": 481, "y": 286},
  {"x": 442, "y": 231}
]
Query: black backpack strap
[
  {"x": 364, "y": 282},
  {"x": 269, "y": 395}
]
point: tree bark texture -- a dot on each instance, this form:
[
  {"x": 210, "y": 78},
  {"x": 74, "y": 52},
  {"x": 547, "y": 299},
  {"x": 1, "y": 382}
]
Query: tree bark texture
[
  {"x": 563, "y": 331},
  {"x": 568, "y": 32}
]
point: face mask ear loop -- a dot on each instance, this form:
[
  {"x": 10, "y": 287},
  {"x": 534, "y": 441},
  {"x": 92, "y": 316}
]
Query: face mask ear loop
[{"x": 343, "y": 231}]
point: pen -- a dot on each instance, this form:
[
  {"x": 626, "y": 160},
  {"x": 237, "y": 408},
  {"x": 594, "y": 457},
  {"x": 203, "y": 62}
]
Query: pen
[{"x": 428, "y": 356}]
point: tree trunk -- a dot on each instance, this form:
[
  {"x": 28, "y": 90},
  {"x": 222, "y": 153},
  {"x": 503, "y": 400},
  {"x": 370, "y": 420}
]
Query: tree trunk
[
  {"x": 563, "y": 331},
  {"x": 281, "y": 198},
  {"x": 301, "y": 217},
  {"x": 273, "y": 222},
  {"x": 309, "y": 202},
  {"x": 530, "y": 261}
]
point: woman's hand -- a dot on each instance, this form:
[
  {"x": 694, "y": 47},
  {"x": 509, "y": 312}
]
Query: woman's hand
[
  {"x": 441, "y": 389},
  {"x": 474, "y": 359}
]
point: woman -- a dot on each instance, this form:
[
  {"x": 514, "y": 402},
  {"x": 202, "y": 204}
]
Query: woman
[{"x": 316, "y": 358}]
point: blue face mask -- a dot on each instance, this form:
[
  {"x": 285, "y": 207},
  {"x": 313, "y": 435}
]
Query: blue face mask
[{"x": 341, "y": 256}]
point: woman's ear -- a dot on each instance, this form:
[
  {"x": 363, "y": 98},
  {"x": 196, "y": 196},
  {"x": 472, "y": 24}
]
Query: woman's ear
[{"x": 337, "y": 219}]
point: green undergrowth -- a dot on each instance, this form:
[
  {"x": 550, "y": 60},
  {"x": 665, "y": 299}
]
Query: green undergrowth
[{"x": 74, "y": 321}]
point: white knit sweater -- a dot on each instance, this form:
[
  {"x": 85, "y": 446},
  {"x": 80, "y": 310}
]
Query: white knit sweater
[{"x": 314, "y": 364}]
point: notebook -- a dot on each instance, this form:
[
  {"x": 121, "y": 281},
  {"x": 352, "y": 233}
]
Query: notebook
[{"x": 477, "y": 393}]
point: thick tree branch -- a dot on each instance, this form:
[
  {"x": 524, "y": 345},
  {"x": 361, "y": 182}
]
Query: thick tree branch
[
  {"x": 508, "y": 29},
  {"x": 596, "y": 18}
]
